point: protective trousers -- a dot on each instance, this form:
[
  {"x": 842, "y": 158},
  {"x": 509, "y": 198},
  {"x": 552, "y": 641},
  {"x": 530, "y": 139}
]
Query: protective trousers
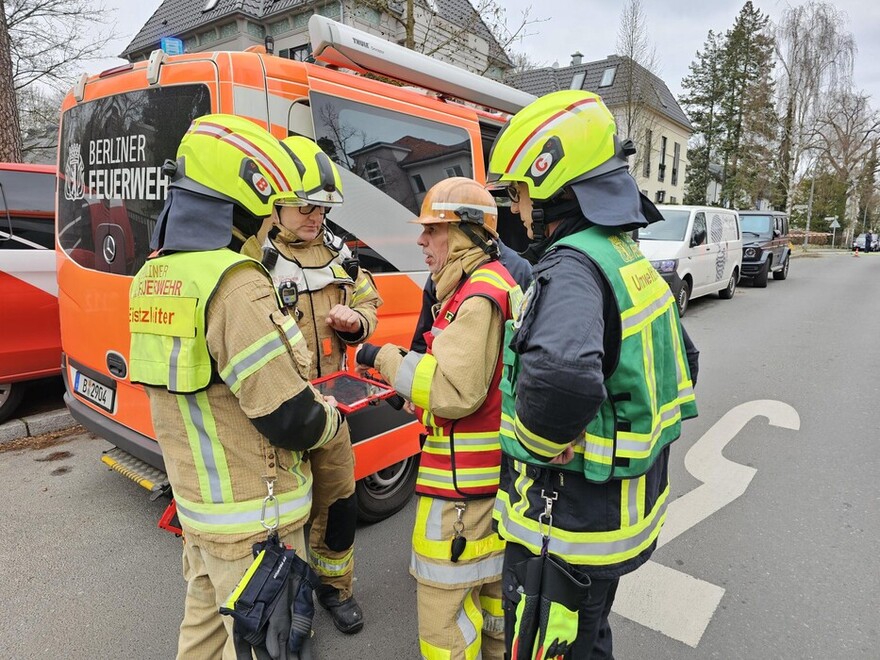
[
  {"x": 334, "y": 513},
  {"x": 204, "y": 633},
  {"x": 592, "y": 635},
  {"x": 459, "y": 603}
]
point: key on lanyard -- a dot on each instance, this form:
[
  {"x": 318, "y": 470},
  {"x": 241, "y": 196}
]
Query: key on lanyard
[{"x": 458, "y": 540}]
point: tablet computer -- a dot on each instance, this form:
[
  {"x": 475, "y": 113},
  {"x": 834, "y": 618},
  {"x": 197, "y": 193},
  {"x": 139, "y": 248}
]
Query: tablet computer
[{"x": 352, "y": 392}]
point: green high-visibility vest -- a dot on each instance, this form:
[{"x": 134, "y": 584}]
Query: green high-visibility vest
[
  {"x": 650, "y": 391},
  {"x": 168, "y": 301}
]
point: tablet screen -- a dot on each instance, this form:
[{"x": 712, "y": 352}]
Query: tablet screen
[{"x": 350, "y": 390}]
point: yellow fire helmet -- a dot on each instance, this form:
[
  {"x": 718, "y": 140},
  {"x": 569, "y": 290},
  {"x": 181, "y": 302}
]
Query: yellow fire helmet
[
  {"x": 557, "y": 140},
  {"x": 318, "y": 174},
  {"x": 233, "y": 159},
  {"x": 462, "y": 200}
]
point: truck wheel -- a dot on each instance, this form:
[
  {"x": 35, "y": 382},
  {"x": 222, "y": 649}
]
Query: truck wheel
[
  {"x": 10, "y": 396},
  {"x": 683, "y": 298},
  {"x": 782, "y": 273},
  {"x": 760, "y": 280},
  {"x": 727, "y": 293},
  {"x": 384, "y": 493}
]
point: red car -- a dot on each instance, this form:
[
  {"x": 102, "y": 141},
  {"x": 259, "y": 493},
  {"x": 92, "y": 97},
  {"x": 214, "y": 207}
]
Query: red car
[{"x": 30, "y": 337}]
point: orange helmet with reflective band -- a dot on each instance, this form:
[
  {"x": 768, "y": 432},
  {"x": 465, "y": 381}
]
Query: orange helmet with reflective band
[{"x": 459, "y": 199}]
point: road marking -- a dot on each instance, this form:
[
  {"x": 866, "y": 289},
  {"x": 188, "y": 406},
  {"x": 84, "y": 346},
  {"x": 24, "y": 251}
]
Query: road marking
[{"x": 666, "y": 600}]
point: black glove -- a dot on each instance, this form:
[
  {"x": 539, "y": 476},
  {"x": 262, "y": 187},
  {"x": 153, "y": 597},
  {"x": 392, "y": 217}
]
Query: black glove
[
  {"x": 366, "y": 355},
  {"x": 273, "y": 609}
]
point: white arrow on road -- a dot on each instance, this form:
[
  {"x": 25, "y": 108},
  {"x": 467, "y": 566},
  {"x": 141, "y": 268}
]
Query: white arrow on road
[{"x": 666, "y": 600}]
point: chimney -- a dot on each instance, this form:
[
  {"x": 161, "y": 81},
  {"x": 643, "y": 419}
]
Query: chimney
[{"x": 577, "y": 58}]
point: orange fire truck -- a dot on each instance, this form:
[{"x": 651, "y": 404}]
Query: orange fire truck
[{"x": 392, "y": 143}]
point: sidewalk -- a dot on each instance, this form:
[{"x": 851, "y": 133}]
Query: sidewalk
[{"x": 34, "y": 425}]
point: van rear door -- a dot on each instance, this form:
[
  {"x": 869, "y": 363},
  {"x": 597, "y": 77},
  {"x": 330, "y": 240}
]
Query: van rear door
[{"x": 111, "y": 149}]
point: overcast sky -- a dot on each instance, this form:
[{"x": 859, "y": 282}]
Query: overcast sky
[{"x": 677, "y": 28}]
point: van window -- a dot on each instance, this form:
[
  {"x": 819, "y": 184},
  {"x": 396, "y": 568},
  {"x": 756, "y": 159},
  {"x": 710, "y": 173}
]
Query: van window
[
  {"x": 110, "y": 162},
  {"x": 671, "y": 228},
  {"x": 399, "y": 155},
  {"x": 699, "y": 226},
  {"x": 27, "y": 210}
]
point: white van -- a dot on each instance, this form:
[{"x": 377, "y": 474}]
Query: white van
[{"x": 696, "y": 249}]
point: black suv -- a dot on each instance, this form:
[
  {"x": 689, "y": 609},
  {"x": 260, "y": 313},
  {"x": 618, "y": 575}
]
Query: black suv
[{"x": 766, "y": 246}]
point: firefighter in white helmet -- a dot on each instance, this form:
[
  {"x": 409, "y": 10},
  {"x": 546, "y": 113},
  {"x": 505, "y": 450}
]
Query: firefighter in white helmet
[
  {"x": 456, "y": 557},
  {"x": 334, "y": 302},
  {"x": 225, "y": 370}
]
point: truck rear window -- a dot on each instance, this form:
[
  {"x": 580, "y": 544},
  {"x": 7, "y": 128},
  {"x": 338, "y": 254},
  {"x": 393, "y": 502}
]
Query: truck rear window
[{"x": 112, "y": 187}]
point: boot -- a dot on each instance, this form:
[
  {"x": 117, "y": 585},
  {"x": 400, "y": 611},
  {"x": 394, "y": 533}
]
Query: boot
[{"x": 346, "y": 614}]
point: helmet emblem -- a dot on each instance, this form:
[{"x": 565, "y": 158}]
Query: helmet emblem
[
  {"x": 542, "y": 164},
  {"x": 260, "y": 183}
]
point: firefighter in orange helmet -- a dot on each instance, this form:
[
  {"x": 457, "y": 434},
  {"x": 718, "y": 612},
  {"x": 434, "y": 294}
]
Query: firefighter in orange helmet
[{"x": 456, "y": 557}]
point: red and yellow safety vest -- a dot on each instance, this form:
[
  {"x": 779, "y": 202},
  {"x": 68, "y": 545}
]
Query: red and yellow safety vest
[{"x": 461, "y": 457}]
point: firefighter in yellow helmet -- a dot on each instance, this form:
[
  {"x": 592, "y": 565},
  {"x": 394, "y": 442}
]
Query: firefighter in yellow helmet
[
  {"x": 334, "y": 302},
  {"x": 456, "y": 557},
  {"x": 596, "y": 384},
  {"x": 225, "y": 369}
]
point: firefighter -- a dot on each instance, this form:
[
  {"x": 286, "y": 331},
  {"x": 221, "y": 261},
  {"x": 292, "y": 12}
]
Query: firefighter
[
  {"x": 597, "y": 383},
  {"x": 225, "y": 369},
  {"x": 334, "y": 302},
  {"x": 456, "y": 557}
]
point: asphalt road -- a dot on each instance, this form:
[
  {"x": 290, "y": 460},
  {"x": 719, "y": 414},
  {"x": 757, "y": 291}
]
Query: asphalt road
[{"x": 769, "y": 549}]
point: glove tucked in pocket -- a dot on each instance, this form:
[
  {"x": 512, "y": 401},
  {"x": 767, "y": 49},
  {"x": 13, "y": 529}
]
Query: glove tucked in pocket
[
  {"x": 272, "y": 605},
  {"x": 547, "y": 613}
]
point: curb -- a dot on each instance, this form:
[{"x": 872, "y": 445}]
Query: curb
[{"x": 34, "y": 425}]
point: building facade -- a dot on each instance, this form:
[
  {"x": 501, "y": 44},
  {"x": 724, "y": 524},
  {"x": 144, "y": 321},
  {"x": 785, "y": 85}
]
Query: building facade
[
  {"x": 645, "y": 112},
  {"x": 449, "y": 30}
]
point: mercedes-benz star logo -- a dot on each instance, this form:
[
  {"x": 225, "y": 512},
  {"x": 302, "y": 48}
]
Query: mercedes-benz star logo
[{"x": 109, "y": 249}]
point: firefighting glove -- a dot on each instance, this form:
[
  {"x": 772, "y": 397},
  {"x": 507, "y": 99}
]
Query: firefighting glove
[
  {"x": 290, "y": 625},
  {"x": 366, "y": 355},
  {"x": 547, "y": 614},
  {"x": 275, "y": 590}
]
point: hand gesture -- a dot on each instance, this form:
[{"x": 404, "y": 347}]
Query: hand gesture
[{"x": 344, "y": 319}]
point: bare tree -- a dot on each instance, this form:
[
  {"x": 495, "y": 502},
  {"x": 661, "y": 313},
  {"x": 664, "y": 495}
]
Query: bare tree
[
  {"x": 10, "y": 134},
  {"x": 427, "y": 31},
  {"x": 43, "y": 43},
  {"x": 815, "y": 54},
  {"x": 846, "y": 133},
  {"x": 635, "y": 74}
]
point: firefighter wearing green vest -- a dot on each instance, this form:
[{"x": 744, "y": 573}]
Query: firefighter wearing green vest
[
  {"x": 456, "y": 556},
  {"x": 225, "y": 369},
  {"x": 596, "y": 381}
]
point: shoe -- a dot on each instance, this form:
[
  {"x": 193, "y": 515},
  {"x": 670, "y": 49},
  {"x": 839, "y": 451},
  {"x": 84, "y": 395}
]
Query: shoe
[{"x": 347, "y": 615}]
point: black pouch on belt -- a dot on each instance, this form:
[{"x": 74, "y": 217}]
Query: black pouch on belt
[{"x": 547, "y": 613}]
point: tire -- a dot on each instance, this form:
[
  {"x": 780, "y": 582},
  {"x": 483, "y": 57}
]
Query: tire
[
  {"x": 760, "y": 280},
  {"x": 782, "y": 273},
  {"x": 384, "y": 493},
  {"x": 683, "y": 298},
  {"x": 11, "y": 395},
  {"x": 727, "y": 293}
]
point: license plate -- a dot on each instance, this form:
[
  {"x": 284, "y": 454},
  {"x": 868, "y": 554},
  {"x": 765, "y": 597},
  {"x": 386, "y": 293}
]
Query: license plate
[{"x": 91, "y": 390}]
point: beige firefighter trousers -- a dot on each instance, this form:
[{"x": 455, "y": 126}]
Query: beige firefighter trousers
[
  {"x": 205, "y": 634},
  {"x": 334, "y": 513}
]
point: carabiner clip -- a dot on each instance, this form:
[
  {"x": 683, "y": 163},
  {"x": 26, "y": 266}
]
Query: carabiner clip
[
  {"x": 547, "y": 515},
  {"x": 270, "y": 499}
]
